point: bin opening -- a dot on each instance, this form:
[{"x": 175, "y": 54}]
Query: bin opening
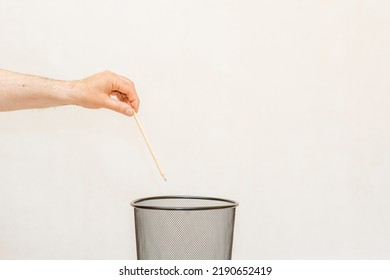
[{"x": 183, "y": 203}]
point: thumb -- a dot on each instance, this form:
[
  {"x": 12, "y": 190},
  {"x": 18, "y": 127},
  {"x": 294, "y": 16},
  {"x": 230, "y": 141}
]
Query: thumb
[{"x": 118, "y": 106}]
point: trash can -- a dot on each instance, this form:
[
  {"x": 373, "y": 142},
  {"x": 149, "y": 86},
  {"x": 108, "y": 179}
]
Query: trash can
[{"x": 184, "y": 228}]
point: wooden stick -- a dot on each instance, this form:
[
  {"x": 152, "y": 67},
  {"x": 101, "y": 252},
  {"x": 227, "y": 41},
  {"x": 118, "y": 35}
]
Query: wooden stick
[{"x": 148, "y": 144}]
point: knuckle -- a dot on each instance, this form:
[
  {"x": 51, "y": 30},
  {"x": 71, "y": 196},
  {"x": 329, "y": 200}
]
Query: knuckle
[
  {"x": 107, "y": 73},
  {"x": 118, "y": 107}
]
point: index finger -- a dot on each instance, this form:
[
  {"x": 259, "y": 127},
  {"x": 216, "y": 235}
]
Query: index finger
[{"x": 126, "y": 86}]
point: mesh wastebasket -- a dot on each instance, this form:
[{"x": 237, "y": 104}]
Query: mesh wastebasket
[{"x": 184, "y": 228}]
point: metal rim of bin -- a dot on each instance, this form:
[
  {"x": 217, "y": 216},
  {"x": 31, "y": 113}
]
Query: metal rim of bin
[{"x": 231, "y": 203}]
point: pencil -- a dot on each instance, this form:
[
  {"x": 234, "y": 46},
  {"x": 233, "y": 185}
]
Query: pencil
[{"x": 149, "y": 146}]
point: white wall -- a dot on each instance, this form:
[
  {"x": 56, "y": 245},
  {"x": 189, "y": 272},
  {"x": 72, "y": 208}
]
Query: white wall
[{"x": 280, "y": 105}]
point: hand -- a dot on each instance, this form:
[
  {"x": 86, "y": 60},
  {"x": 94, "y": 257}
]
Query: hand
[{"x": 100, "y": 90}]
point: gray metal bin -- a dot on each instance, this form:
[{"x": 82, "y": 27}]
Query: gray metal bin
[{"x": 184, "y": 228}]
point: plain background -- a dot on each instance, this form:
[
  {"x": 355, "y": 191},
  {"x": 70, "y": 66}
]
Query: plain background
[{"x": 280, "y": 105}]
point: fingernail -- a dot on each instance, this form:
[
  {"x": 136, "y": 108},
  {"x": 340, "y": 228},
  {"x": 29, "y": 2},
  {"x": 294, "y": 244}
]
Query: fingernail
[{"x": 129, "y": 112}]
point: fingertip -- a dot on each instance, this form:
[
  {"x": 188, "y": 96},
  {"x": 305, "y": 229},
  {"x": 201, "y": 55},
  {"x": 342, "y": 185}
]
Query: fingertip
[
  {"x": 129, "y": 112},
  {"x": 135, "y": 105}
]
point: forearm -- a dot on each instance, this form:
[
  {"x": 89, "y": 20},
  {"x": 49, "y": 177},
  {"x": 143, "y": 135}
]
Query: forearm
[{"x": 20, "y": 91}]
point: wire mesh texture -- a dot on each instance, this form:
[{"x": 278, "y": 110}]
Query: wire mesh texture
[{"x": 184, "y": 228}]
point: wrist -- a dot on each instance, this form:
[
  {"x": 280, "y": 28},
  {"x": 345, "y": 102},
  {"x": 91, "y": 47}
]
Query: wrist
[{"x": 67, "y": 92}]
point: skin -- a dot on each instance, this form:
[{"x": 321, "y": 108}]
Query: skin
[{"x": 103, "y": 90}]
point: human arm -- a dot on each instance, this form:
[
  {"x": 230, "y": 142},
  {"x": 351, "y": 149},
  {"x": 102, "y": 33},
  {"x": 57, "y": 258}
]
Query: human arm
[{"x": 21, "y": 91}]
